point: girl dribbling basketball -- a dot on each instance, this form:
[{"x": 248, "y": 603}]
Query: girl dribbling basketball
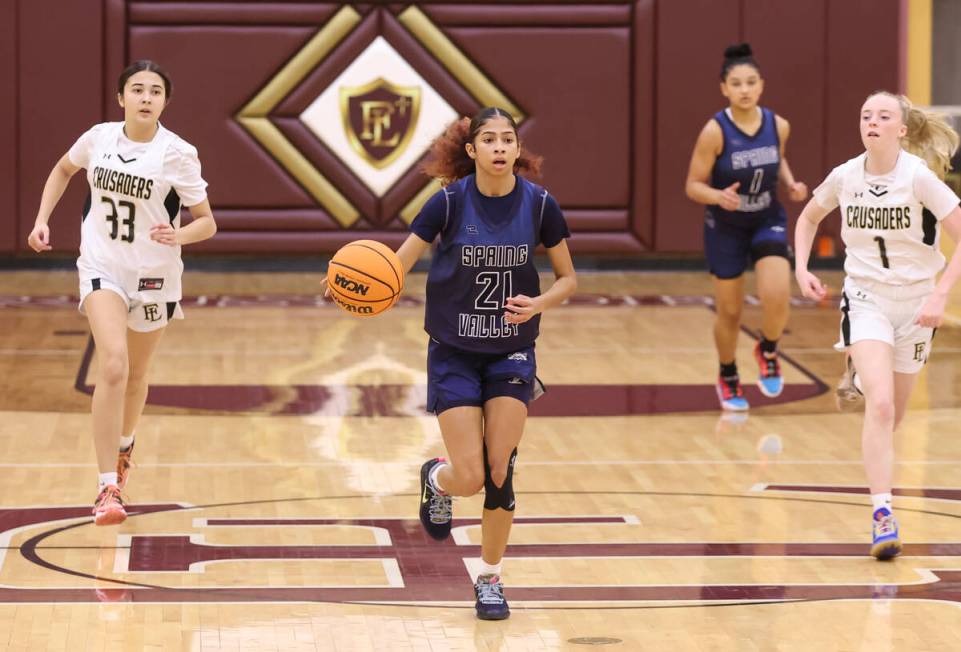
[
  {"x": 139, "y": 174},
  {"x": 483, "y": 309}
]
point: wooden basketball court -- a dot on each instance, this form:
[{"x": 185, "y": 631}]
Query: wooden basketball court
[{"x": 275, "y": 487}]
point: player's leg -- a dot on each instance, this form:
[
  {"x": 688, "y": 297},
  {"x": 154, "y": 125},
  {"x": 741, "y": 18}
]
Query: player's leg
[
  {"x": 773, "y": 272},
  {"x": 874, "y": 360},
  {"x": 107, "y": 314},
  {"x": 141, "y": 347},
  {"x": 504, "y": 419},
  {"x": 454, "y": 394},
  {"x": 726, "y": 249}
]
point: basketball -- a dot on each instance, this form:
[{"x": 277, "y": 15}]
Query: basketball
[{"x": 365, "y": 278}]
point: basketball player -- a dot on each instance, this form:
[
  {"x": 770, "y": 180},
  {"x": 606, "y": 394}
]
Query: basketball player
[
  {"x": 893, "y": 205},
  {"x": 737, "y": 162},
  {"x": 139, "y": 175},
  {"x": 483, "y": 309}
]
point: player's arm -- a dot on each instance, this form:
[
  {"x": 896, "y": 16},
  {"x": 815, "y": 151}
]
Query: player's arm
[
  {"x": 411, "y": 251},
  {"x": 797, "y": 191},
  {"x": 520, "y": 308},
  {"x": 698, "y": 188},
  {"x": 932, "y": 312},
  {"x": 53, "y": 189},
  {"x": 804, "y": 232},
  {"x": 201, "y": 227}
]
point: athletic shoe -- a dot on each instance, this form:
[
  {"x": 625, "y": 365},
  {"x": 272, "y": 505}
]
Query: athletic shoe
[
  {"x": 436, "y": 509},
  {"x": 848, "y": 394},
  {"x": 108, "y": 509},
  {"x": 491, "y": 604},
  {"x": 730, "y": 394},
  {"x": 887, "y": 543},
  {"x": 123, "y": 465},
  {"x": 769, "y": 381}
]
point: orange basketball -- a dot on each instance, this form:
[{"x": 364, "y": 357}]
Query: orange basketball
[{"x": 365, "y": 277}]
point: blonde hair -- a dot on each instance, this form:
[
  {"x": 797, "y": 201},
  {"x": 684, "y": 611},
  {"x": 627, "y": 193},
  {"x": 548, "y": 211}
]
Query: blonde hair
[{"x": 929, "y": 136}]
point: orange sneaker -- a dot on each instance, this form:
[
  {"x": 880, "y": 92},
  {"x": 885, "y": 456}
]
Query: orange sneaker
[
  {"x": 108, "y": 509},
  {"x": 123, "y": 465}
]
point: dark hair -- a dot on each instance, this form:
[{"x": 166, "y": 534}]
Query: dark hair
[
  {"x": 448, "y": 161},
  {"x": 149, "y": 66},
  {"x": 736, "y": 55}
]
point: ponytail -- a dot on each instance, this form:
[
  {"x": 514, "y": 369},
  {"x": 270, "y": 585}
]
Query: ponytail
[{"x": 929, "y": 136}]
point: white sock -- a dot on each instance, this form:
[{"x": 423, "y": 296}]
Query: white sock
[
  {"x": 126, "y": 442},
  {"x": 881, "y": 500},
  {"x": 108, "y": 478},
  {"x": 489, "y": 569},
  {"x": 432, "y": 477}
]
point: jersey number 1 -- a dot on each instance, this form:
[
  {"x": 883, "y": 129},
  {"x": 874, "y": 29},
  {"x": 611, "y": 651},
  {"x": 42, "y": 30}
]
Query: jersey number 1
[
  {"x": 114, "y": 219},
  {"x": 884, "y": 252}
]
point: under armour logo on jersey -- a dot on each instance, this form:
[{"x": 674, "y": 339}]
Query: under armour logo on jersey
[
  {"x": 150, "y": 284},
  {"x": 107, "y": 155},
  {"x": 878, "y": 191},
  {"x": 151, "y": 312},
  {"x": 858, "y": 195},
  {"x": 471, "y": 229}
]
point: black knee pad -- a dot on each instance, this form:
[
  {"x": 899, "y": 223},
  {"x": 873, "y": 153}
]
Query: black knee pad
[{"x": 499, "y": 497}]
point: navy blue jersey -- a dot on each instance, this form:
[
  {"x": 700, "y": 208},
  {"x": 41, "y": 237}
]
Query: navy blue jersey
[
  {"x": 754, "y": 161},
  {"x": 485, "y": 255}
]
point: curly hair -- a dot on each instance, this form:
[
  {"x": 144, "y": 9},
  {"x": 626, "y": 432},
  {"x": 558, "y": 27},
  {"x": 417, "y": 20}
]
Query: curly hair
[
  {"x": 447, "y": 161},
  {"x": 929, "y": 136}
]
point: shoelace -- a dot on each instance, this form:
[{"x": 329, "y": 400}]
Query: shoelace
[
  {"x": 441, "y": 508},
  {"x": 772, "y": 368},
  {"x": 885, "y": 525},
  {"x": 490, "y": 592},
  {"x": 732, "y": 388},
  {"x": 105, "y": 496}
]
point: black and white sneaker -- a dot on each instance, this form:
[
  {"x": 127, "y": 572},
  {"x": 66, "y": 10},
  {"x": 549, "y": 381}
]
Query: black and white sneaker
[
  {"x": 491, "y": 603},
  {"x": 436, "y": 510}
]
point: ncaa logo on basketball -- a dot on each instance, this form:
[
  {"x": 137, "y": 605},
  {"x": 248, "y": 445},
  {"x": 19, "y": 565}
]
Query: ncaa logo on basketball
[{"x": 351, "y": 285}]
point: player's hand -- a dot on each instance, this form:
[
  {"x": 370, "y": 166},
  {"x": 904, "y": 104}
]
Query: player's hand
[
  {"x": 811, "y": 286},
  {"x": 520, "y": 308},
  {"x": 39, "y": 238},
  {"x": 797, "y": 191},
  {"x": 165, "y": 234},
  {"x": 324, "y": 284},
  {"x": 932, "y": 312},
  {"x": 728, "y": 199}
]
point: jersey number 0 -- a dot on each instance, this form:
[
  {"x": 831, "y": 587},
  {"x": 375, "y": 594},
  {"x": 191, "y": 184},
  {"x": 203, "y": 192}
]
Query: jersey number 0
[{"x": 115, "y": 222}]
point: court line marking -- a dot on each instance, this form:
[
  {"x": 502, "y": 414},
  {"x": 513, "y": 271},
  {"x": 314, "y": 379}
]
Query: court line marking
[{"x": 406, "y": 465}]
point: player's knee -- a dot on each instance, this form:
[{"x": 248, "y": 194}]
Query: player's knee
[
  {"x": 881, "y": 408},
  {"x": 729, "y": 312},
  {"x": 499, "y": 483},
  {"x": 470, "y": 478},
  {"x": 112, "y": 366}
]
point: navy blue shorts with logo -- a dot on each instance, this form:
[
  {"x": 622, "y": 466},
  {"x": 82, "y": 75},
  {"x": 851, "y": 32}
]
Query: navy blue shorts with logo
[
  {"x": 728, "y": 244},
  {"x": 456, "y": 377}
]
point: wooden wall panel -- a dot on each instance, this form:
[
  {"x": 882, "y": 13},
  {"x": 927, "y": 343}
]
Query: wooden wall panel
[
  {"x": 614, "y": 94},
  {"x": 60, "y": 88}
]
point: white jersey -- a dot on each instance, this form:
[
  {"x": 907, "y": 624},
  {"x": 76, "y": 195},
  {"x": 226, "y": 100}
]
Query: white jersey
[
  {"x": 890, "y": 223},
  {"x": 134, "y": 186}
]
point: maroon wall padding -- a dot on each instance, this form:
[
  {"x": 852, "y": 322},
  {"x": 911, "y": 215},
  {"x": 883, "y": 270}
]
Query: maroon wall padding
[
  {"x": 579, "y": 114},
  {"x": 60, "y": 90},
  {"x": 691, "y": 37},
  {"x": 614, "y": 95},
  {"x": 8, "y": 127}
]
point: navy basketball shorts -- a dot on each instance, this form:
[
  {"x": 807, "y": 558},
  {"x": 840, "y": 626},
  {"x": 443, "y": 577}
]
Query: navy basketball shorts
[
  {"x": 729, "y": 244},
  {"x": 457, "y": 378}
]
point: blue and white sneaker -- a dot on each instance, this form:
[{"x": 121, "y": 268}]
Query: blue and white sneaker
[
  {"x": 436, "y": 509},
  {"x": 730, "y": 394},
  {"x": 770, "y": 381},
  {"x": 887, "y": 542},
  {"x": 491, "y": 604}
]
